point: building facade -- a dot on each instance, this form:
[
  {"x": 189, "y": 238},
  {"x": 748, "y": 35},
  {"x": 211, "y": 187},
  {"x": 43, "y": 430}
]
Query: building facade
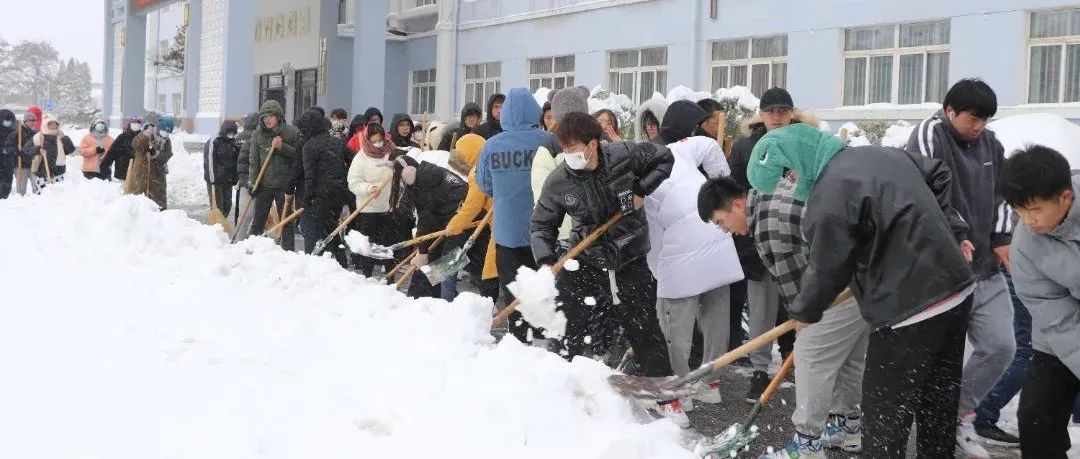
[{"x": 845, "y": 59}]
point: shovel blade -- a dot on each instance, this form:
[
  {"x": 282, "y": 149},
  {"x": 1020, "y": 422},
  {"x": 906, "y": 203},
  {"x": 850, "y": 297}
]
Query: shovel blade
[
  {"x": 732, "y": 440},
  {"x": 380, "y": 252},
  {"x": 446, "y": 266},
  {"x": 652, "y": 388}
]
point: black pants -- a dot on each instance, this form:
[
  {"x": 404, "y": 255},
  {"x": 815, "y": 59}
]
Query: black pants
[
  {"x": 264, "y": 198},
  {"x": 376, "y": 226},
  {"x": 738, "y": 306},
  {"x": 593, "y": 328},
  {"x": 507, "y": 261},
  {"x": 94, "y": 175},
  {"x": 419, "y": 286},
  {"x": 318, "y": 221},
  {"x": 1046, "y": 404},
  {"x": 914, "y": 371},
  {"x": 223, "y": 193},
  {"x": 7, "y": 173}
]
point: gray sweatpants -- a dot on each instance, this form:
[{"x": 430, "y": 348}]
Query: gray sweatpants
[
  {"x": 677, "y": 316},
  {"x": 993, "y": 342},
  {"x": 763, "y": 302},
  {"x": 830, "y": 357}
]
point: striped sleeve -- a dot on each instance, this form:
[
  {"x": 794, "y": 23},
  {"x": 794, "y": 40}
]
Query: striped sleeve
[{"x": 922, "y": 138}]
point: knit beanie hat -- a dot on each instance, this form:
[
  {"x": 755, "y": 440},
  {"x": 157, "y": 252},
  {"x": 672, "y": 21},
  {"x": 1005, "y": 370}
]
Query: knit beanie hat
[{"x": 569, "y": 100}]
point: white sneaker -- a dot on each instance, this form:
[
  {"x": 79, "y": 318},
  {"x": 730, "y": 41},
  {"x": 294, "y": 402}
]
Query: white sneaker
[
  {"x": 673, "y": 410},
  {"x": 841, "y": 433},
  {"x": 710, "y": 394},
  {"x": 967, "y": 441},
  {"x": 687, "y": 404}
]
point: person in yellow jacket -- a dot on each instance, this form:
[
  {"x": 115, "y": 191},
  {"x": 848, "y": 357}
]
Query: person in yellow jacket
[{"x": 476, "y": 205}]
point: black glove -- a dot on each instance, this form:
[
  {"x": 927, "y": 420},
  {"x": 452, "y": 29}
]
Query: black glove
[{"x": 100, "y": 150}]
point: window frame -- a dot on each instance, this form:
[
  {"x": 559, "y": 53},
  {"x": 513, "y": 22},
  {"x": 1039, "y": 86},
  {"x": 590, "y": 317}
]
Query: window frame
[
  {"x": 1061, "y": 42},
  {"x": 895, "y": 52},
  {"x": 748, "y": 62},
  {"x": 638, "y": 70},
  {"x": 429, "y": 85},
  {"x": 481, "y": 83},
  {"x": 568, "y": 76}
]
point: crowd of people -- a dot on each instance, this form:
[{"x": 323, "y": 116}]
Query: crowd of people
[{"x": 941, "y": 244}]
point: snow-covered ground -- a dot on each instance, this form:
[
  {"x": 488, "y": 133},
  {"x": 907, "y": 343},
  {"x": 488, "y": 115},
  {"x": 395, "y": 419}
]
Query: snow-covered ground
[{"x": 133, "y": 333}]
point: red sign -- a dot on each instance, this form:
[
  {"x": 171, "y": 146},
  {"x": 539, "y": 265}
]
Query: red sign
[{"x": 140, "y": 6}]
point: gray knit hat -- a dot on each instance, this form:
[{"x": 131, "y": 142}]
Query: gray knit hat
[{"x": 569, "y": 100}]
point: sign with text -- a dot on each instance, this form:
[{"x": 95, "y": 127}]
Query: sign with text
[{"x": 142, "y": 6}]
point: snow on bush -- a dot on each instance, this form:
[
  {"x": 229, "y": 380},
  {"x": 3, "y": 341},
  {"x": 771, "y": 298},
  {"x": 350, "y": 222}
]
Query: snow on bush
[
  {"x": 134, "y": 333},
  {"x": 536, "y": 291},
  {"x": 741, "y": 95},
  {"x": 685, "y": 93},
  {"x": 897, "y": 134}
]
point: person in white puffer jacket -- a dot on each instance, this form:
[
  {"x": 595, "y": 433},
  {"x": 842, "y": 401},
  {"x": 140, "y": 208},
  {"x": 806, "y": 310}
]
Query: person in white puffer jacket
[{"x": 694, "y": 262}]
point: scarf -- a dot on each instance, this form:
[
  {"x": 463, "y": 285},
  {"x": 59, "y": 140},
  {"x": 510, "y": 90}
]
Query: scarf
[
  {"x": 799, "y": 147},
  {"x": 377, "y": 153}
]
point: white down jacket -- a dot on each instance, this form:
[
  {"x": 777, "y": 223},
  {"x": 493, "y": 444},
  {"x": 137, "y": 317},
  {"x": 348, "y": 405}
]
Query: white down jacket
[{"x": 688, "y": 256}]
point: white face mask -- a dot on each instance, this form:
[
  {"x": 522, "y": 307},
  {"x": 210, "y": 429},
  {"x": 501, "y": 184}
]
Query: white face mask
[
  {"x": 575, "y": 160},
  {"x": 378, "y": 144},
  {"x": 135, "y": 126}
]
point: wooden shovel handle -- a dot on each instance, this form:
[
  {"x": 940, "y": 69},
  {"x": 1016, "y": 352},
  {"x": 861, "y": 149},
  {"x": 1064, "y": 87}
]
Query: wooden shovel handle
[
  {"x": 781, "y": 374},
  {"x": 571, "y": 254},
  {"x": 281, "y": 225},
  {"x": 390, "y": 274},
  {"x": 427, "y": 237},
  {"x": 262, "y": 170},
  {"x": 359, "y": 209}
]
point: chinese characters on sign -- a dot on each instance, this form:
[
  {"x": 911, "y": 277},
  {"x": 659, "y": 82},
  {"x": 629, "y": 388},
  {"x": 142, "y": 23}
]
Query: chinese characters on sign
[{"x": 295, "y": 23}]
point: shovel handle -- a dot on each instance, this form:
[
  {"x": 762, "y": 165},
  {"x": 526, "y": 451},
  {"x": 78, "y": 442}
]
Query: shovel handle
[
  {"x": 781, "y": 374},
  {"x": 286, "y": 221},
  {"x": 571, "y": 254},
  {"x": 390, "y": 274},
  {"x": 262, "y": 170},
  {"x": 408, "y": 274},
  {"x": 426, "y": 237},
  {"x": 359, "y": 209}
]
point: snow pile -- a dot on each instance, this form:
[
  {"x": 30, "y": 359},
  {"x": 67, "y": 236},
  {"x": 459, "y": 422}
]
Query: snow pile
[
  {"x": 855, "y": 137},
  {"x": 1044, "y": 129},
  {"x": 186, "y": 184},
  {"x": 741, "y": 94},
  {"x": 685, "y": 93},
  {"x": 360, "y": 244},
  {"x": 536, "y": 291},
  {"x": 897, "y": 134},
  {"x": 134, "y": 333},
  {"x": 541, "y": 96}
]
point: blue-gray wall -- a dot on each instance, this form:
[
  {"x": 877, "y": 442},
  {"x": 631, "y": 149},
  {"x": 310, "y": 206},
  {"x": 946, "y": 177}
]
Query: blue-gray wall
[{"x": 403, "y": 57}]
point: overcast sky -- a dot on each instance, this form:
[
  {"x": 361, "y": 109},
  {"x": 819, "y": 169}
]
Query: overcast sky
[{"x": 75, "y": 27}]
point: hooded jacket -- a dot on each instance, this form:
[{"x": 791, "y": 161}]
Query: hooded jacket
[
  {"x": 1046, "y": 276},
  {"x": 976, "y": 166},
  {"x": 680, "y": 121},
  {"x": 220, "y": 156},
  {"x": 13, "y": 150},
  {"x": 323, "y": 159},
  {"x": 476, "y": 203},
  {"x": 8, "y": 161},
  {"x": 280, "y": 169},
  {"x": 243, "y": 141},
  {"x": 877, "y": 219},
  {"x": 398, "y": 139},
  {"x": 589, "y": 198},
  {"x": 656, "y": 105},
  {"x": 493, "y": 126},
  {"x": 121, "y": 152},
  {"x": 436, "y": 194},
  {"x": 751, "y": 130},
  {"x": 88, "y": 147},
  {"x": 54, "y": 148},
  {"x": 458, "y": 130},
  {"x": 505, "y": 167},
  {"x": 155, "y": 151},
  {"x": 38, "y": 115}
]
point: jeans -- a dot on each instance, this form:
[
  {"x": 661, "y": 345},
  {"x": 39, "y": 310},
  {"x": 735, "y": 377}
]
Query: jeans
[
  {"x": 449, "y": 288},
  {"x": 989, "y": 411}
]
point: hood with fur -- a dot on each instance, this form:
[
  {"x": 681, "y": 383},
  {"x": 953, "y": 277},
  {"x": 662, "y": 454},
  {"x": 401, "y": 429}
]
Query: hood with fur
[
  {"x": 656, "y": 105},
  {"x": 94, "y": 122},
  {"x": 755, "y": 127}
]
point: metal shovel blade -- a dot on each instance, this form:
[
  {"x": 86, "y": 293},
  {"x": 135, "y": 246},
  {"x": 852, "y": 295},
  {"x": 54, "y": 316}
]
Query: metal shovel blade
[
  {"x": 653, "y": 388},
  {"x": 380, "y": 252},
  {"x": 732, "y": 440},
  {"x": 446, "y": 266}
]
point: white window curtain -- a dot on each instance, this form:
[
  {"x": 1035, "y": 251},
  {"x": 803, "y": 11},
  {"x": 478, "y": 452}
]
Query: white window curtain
[
  {"x": 855, "y": 81},
  {"x": 1044, "y": 75}
]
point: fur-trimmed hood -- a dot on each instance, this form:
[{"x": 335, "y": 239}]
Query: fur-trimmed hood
[
  {"x": 753, "y": 126},
  {"x": 657, "y": 105}
]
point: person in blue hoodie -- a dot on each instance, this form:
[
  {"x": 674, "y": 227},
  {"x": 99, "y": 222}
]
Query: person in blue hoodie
[{"x": 503, "y": 172}]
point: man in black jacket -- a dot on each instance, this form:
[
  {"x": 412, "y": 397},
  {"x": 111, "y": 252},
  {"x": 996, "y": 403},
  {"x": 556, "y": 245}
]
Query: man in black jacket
[
  {"x": 494, "y": 113},
  {"x": 323, "y": 161},
  {"x": 613, "y": 286},
  {"x": 873, "y": 224},
  {"x": 8, "y": 159},
  {"x": 219, "y": 165},
  {"x": 470, "y": 120},
  {"x": 437, "y": 194},
  {"x": 243, "y": 142},
  {"x": 957, "y": 135}
]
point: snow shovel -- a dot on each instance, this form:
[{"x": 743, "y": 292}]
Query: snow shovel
[
  {"x": 739, "y": 435},
  {"x": 449, "y": 264},
  {"x": 409, "y": 272},
  {"x": 321, "y": 245},
  {"x": 383, "y": 252},
  {"x": 570, "y": 255},
  {"x": 215, "y": 217},
  {"x": 281, "y": 225},
  {"x": 672, "y": 387},
  {"x": 254, "y": 187}
]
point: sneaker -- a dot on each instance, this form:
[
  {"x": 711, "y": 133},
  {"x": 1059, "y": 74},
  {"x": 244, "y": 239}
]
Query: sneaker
[
  {"x": 800, "y": 448},
  {"x": 967, "y": 441},
  {"x": 843, "y": 433},
  {"x": 993, "y": 435},
  {"x": 710, "y": 394},
  {"x": 758, "y": 382},
  {"x": 673, "y": 410}
]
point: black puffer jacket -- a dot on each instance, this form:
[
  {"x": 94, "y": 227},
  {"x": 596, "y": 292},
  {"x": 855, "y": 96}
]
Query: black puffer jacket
[
  {"x": 492, "y": 126},
  {"x": 14, "y": 150},
  {"x": 220, "y": 156},
  {"x": 324, "y": 160},
  {"x": 120, "y": 153},
  {"x": 243, "y": 142},
  {"x": 436, "y": 194},
  {"x": 886, "y": 228},
  {"x": 401, "y": 141},
  {"x": 8, "y": 158},
  {"x": 589, "y": 197},
  {"x": 458, "y": 130}
]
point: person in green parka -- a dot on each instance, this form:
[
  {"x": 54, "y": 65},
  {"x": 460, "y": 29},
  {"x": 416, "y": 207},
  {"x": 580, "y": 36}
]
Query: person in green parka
[{"x": 272, "y": 134}]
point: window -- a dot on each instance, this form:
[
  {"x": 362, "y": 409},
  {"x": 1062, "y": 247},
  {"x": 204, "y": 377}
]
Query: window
[
  {"x": 1054, "y": 57},
  {"x": 343, "y": 11},
  {"x": 272, "y": 87},
  {"x": 905, "y": 63},
  {"x": 422, "y": 92},
  {"x": 551, "y": 72},
  {"x": 307, "y": 84},
  {"x": 177, "y": 103},
  {"x": 760, "y": 63},
  {"x": 161, "y": 101},
  {"x": 638, "y": 73},
  {"x": 424, "y": 2},
  {"x": 481, "y": 81}
]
